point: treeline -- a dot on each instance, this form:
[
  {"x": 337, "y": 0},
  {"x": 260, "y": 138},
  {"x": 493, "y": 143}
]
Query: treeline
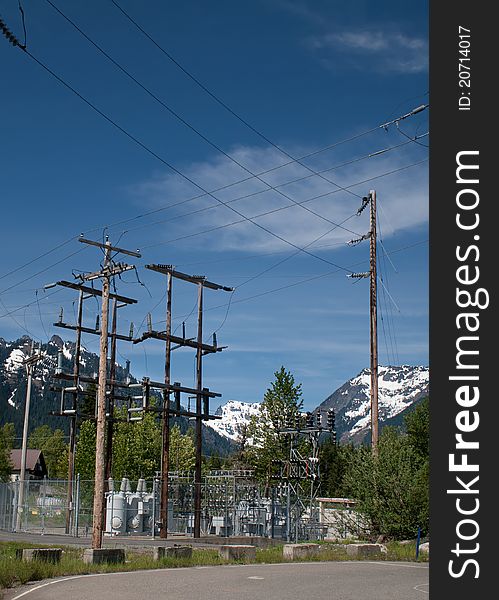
[{"x": 390, "y": 488}]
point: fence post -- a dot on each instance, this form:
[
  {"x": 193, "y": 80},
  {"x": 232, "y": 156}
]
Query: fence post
[
  {"x": 15, "y": 508},
  {"x": 44, "y": 494},
  {"x": 77, "y": 507},
  {"x": 25, "y": 506},
  {"x": 153, "y": 522}
]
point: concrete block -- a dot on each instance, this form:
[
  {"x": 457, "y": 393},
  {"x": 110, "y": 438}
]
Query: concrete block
[
  {"x": 237, "y": 552},
  {"x": 52, "y": 555},
  {"x": 97, "y": 556},
  {"x": 299, "y": 551},
  {"x": 424, "y": 548},
  {"x": 160, "y": 552},
  {"x": 365, "y": 550}
]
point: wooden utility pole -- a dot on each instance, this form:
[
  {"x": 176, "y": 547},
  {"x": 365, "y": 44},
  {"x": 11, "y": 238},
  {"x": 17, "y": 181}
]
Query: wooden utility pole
[
  {"x": 373, "y": 314},
  {"x": 109, "y": 270},
  {"x": 165, "y": 441},
  {"x": 199, "y": 401},
  {"x": 101, "y": 408},
  {"x": 112, "y": 377},
  {"x": 373, "y": 324}
]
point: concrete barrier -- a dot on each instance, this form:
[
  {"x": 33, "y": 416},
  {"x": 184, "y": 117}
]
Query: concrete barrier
[
  {"x": 97, "y": 556},
  {"x": 160, "y": 552},
  {"x": 237, "y": 552},
  {"x": 299, "y": 551},
  {"x": 424, "y": 548},
  {"x": 365, "y": 550},
  {"x": 52, "y": 555}
]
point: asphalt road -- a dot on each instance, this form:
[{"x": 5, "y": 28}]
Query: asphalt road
[{"x": 320, "y": 581}]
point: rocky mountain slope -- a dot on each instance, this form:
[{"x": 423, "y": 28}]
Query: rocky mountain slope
[
  {"x": 13, "y": 387},
  {"x": 399, "y": 389}
]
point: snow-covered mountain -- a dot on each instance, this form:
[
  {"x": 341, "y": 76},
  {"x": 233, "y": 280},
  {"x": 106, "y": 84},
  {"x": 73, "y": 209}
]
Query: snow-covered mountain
[
  {"x": 44, "y": 400},
  {"x": 234, "y": 414},
  {"x": 12, "y": 372},
  {"x": 398, "y": 389}
]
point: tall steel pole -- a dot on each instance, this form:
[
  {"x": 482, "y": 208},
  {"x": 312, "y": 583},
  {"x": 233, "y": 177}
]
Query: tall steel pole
[
  {"x": 29, "y": 364},
  {"x": 373, "y": 326}
]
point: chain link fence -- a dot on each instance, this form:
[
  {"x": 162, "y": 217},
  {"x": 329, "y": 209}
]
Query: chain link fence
[{"x": 233, "y": 504}]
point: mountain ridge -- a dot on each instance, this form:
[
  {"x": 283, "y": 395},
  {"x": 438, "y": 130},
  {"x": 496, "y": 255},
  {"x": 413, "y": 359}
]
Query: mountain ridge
[
  {"x": 399, "y": 388},
  {"x": 13, "y": 388}
]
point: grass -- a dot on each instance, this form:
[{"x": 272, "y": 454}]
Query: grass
[{"x": 16, "y": 572}]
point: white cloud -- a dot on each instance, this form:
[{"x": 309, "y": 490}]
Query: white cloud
[
  {"x": 403, "y": 199},
  {"x": 391, "y": 52}
]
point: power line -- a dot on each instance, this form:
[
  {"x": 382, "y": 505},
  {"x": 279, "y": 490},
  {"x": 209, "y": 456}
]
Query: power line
[
  {"x": 26, "y": 264},
  {"x": 296, "y": 283},
  {"x": 10, "y": 312},
  {"x": 170, "y": 166},
  {"x": 219, "y": 100},
  {"x": 42, "y": 270},
  {"x": 198, "y": 132},
  {"x": 253, "y": 194},
  {"x": 218, "y": 227}
]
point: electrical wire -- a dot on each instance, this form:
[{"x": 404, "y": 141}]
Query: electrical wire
[
  {"x": 166, "y": 163},
  {"x": 42, "y": 270},
  {"x": 296, "y": 283},
  {"x": 140, "y": 144},
  {"x": 197, "y": 131},
  {"x": 30, "y": 262},
  {"x": 218, "y": 227},
  {"x": 170, "y": 166},
  {"x": 22, "y": 21},
  {"x": 253, "y": 194},
  {"x": 208, "y": 91}
]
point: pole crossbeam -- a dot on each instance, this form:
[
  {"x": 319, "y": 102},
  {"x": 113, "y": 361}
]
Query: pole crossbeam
[
  {"x": 118, "y": 336},
  {"x": 159, "y": 335},
  {"x": 91, "y": 291}
]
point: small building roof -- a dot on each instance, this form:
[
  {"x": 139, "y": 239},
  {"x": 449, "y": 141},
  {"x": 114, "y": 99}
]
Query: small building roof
[{"x": 34, "y": 457}]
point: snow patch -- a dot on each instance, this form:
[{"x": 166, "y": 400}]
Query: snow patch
[
  {"x": 10, "y": 400},
  {"x": 234, "y": 414},
  {"x": 14, "y": 361}
]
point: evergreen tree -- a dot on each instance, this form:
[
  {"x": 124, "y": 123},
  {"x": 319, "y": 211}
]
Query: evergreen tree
[
  {"x": 281, "y": 404},
  {"x": 334, "y": 461},
  {"x": 417, "y": 425},
  {"x": 391, "y": 488},
  {"x": 7, "y": 434},
  {"x": 53, "y": 446},
  {"x": 137, "y": 449},
  {"x": 182, "y": 451},
  {"x": 85, "y": 451}
]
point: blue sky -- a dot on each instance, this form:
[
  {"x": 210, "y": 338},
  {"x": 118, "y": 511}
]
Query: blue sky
[{"x": 305, "y": 76}]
